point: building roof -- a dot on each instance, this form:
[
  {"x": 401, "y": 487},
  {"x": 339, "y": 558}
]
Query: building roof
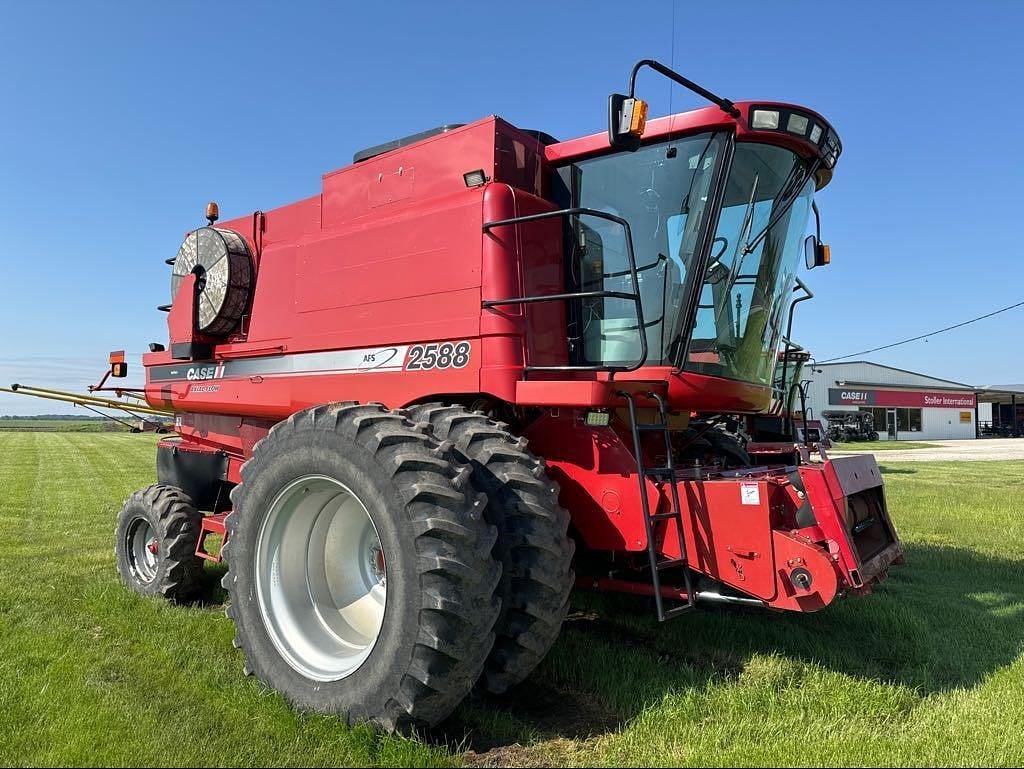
[
  {"x": 960, "y": 385},
  {"x": 1010, "y": 388}
]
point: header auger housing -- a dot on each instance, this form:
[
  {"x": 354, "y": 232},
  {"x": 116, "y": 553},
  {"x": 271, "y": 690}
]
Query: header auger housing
[{"x": 392, "y": 399}]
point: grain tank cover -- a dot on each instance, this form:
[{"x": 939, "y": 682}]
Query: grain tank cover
[
  {"x": 394, "y": 144},
  {"x": 220, "y": 260}
]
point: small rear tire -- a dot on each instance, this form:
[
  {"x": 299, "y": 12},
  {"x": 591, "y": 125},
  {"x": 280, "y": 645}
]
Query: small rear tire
[{"x": 155, "y": 543}]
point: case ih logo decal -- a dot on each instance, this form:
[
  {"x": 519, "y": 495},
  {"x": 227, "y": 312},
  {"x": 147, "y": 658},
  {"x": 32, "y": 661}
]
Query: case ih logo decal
[
  {"x": 849, "y": 397},
  {"x": 420, "y": 357},
  {"x": 202, "y": 373},
  {"x": 838, "y": 396}
]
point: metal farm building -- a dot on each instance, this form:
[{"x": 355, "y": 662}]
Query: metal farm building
[{"x": 905, "y": 405}]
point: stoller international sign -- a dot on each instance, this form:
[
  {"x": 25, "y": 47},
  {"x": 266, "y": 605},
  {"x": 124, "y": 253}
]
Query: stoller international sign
[{"x": 853, "y": 396}]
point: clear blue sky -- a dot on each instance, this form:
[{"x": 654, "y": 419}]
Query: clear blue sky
[{"x": 119, "y": 122}]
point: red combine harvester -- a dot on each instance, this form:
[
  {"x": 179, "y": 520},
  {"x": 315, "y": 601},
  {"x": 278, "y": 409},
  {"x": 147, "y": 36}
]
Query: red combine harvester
[{"x": 480, "y": 367}]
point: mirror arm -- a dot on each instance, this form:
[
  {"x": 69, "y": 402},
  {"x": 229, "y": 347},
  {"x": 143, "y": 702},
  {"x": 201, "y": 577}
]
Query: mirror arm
[{"x": 724, "y": 104}]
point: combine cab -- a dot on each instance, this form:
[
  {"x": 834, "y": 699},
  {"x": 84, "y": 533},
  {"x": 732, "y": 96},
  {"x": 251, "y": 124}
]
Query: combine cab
[{"x": 480, "y": 367}]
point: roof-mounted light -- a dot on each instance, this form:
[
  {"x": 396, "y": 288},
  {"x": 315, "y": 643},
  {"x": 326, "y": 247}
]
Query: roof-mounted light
[
  {"x": 762, "y": 119},
  {"x": 798, "y": 123}
]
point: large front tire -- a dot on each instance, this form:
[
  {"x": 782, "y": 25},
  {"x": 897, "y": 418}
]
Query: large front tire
[
  {"x": 360, "y": 572},
  {"x": 533, "y": 547}
]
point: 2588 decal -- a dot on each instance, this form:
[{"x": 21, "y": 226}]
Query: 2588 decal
[{"x": 424, "y": 357}]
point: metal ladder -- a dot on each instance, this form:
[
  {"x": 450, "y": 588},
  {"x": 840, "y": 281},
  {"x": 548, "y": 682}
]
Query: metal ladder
[{"x": 667, "y": 473}]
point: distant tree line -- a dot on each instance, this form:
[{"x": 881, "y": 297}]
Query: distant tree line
[{"x": 71, "y": 417}]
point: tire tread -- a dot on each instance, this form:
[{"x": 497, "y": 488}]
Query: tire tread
[
  {"x": 453, "y": 543},
  {"x": 533, "y": 546}
]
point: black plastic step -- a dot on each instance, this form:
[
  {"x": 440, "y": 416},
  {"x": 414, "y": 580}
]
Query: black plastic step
[
  {"x": 658, "y": 472},
  {"x": 666, "y": 516},
  {"x": 671, "y": 564},
  {"x": 675, "y": 611},
  {"x": 658, "y": 426}
]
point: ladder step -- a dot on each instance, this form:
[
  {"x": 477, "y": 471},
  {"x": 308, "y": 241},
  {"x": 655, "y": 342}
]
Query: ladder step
[
  {"x": 658, "y": 472},
  {"x": 656, "y": 426},
  {"x": 675, "y": 611},
  {"x": 671, "y": 564},
  {"x": 674, "y": 515}
]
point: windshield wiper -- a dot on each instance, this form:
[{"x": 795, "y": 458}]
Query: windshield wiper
[
  {"x": 794, "y": 183},
  {"x": 789, "y": 192},
  {"x": 747, "y": 226}
]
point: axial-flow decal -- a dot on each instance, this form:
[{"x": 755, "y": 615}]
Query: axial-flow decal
[
  {"x": 420, "y": 357},
  {"x": 338, "y": 362}
]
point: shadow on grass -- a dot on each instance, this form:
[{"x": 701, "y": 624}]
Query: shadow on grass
[
  {"x": 212, "y": 594},
  {"x": 945, "y": 620},
  {"x": 887, "y": 470}
]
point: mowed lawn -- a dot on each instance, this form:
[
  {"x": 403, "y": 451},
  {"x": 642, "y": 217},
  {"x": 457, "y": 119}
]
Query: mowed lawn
[
  {"x": 928, "y": 671},
  {"x": 60, "y": 425},
  {"x": 876, "y": 446}
]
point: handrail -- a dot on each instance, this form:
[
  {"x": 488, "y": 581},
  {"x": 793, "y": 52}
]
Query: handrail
[
  {"x": 633, "y": 296},
  {"x": 808, "y": 294}
]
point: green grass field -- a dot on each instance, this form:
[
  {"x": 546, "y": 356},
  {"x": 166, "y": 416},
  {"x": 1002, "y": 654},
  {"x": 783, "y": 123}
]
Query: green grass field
[
  {"x": 928, "y": 671},
  {"x": 873, "y": 447},
  {"x": 60, "y": 425}
]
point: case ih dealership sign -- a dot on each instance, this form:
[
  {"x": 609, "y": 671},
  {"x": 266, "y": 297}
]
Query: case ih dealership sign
[{"x": 842, "y": 396}]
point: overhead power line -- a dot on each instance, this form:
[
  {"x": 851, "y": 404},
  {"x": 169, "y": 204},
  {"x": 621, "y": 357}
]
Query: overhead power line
[{"x": 924, "y": 336}]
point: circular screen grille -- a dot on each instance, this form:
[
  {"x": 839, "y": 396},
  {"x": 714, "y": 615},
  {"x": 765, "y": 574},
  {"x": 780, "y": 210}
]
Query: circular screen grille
[{"x": 221, "y": 262}]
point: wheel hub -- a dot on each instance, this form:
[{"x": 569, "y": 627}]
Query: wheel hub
[
  {"x": 143, "y": 550},
  {"x": 321, "y": 578}
]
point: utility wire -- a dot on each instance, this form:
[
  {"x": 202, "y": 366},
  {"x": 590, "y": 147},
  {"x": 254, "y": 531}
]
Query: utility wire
[{"x": 924, "y": 336}]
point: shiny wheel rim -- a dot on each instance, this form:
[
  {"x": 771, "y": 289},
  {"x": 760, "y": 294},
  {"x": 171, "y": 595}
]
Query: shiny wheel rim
[
  {"x": 143, "y": 550},
  {"x": 321, "y": 578}
]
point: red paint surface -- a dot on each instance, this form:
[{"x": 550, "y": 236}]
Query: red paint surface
[{"x": 392, "y": 252}]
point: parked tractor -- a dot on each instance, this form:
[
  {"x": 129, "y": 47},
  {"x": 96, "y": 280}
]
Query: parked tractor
[
  {"x": 479, "y": 368},
  {"x": 850, "y": 426}
]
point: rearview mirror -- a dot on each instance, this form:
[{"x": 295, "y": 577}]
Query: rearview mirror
[
  {"x": 627, "y": 118},
  {"x": 816, "y": 253}
]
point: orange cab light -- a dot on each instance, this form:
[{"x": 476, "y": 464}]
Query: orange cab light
[{"x": 638, "y": 118}]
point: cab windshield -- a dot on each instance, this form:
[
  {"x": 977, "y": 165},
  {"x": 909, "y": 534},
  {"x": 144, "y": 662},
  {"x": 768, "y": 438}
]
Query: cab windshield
[
  {"x": 746, "y": 290},
  {"x": 665, "y": 191}
]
